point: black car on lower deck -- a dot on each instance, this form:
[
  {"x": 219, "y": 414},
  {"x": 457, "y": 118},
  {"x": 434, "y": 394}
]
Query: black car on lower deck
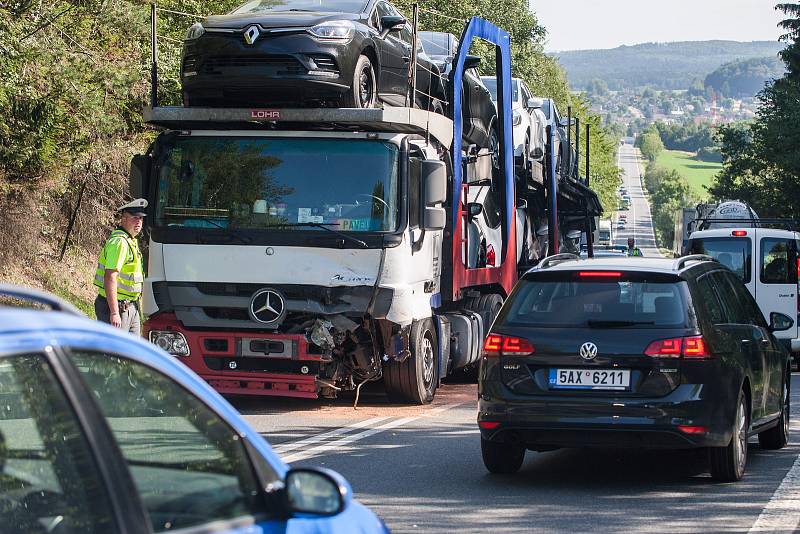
[
  {"x": 346, "y": 53},
  {"x": 630, "y": 352}
]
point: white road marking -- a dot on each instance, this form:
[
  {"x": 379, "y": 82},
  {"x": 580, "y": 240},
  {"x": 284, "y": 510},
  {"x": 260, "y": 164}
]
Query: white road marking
[
  {"x": 286, "y": 447},
  {"x": 352, "y": 438}
]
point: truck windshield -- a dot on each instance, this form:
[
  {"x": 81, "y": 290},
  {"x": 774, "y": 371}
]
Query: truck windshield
[
  {"x": 252, "y": 183},
  {"x": 733, "y": 252}
]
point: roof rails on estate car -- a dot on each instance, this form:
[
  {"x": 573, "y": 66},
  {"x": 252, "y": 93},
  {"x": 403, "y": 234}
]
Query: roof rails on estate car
[
  {"x": 38, "y": 297},
  {"x": 681, "y": 262},
  {"x": 557, "y": 258}
]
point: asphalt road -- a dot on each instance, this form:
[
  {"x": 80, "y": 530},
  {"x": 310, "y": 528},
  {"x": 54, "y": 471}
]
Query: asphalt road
[
  {"x": 420, "y": 469},
  {"x": 639, "y": 224}
]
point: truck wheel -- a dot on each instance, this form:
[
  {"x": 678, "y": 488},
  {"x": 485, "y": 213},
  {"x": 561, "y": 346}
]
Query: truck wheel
[
  {"x": 502, "y": 458},
  {"x": 728, "y": 462},
  {"x": 778, "y": 436},
  {"x": 363, "y": 92},
  {"x": 415, "y": 379}
]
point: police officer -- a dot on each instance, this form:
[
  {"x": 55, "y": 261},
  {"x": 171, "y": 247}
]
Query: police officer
[
  {"x": 633, "y": 250},
  {"x": 119, "y": 273}
]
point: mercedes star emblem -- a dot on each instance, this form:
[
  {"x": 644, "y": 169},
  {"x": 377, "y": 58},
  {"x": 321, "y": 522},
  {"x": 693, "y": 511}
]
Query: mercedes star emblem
[
  {"x": 267, "y": 306},
  {"x": 588, "y": 351},
  {"x": 251, "y": 34}
]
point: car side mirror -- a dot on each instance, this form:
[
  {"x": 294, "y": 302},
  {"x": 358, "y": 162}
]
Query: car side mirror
[
  {"x": 139, "y": 175},
  {"x": 316, "y": 491},
  {"x": 472, "y": 62},
  {"x": 391, "y": 23},
  {"x": 522, "y": 204},
  {"x": 433, "y": 175},
  {"x": 474, "y": 209},
  {"x": 778, "y": 322}
]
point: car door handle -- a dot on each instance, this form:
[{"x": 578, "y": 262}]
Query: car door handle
[
  {"x": 765, "y": 342},
  {"x": 746, "y": 341},
  {"x": 406, "y": 59}
]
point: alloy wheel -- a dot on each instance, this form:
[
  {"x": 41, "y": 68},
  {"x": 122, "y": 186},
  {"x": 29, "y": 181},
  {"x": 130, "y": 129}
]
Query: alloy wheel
[
  {"x": 365, "y": 86},
  {"x": 427, "y": 360},
  {"x": 740, "y": 438}
]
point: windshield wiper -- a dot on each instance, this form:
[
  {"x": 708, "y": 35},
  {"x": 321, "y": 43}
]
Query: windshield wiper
[
  {"x": 323, "y": 226},
  {"x": 231, "y": 232},
  {"x": 614, "y": 324}
]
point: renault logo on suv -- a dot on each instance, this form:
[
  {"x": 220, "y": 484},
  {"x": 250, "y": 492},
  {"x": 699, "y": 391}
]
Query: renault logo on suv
[
  {"x": 251, "y": 34},
  {"x": 588, "y": 351},
  {"x": 267, "y": 306}
]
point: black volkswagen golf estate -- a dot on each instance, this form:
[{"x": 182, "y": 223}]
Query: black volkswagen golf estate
[{"x": 632, "y": 352}]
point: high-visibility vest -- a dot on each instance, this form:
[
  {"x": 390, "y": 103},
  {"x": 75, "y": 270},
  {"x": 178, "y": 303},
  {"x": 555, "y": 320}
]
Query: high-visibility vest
[{"x": 131, "y": 274}]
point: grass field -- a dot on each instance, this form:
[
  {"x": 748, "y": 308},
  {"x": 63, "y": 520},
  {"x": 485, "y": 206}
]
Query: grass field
[{"x": 697, "y": 173}]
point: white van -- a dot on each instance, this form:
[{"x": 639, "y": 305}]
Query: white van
[{"x": 766, "y": 260}]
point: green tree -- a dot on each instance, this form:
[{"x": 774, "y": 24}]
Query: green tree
[
  {"x": 650, "y": 144},
  {"x": 761, "y": 163}
]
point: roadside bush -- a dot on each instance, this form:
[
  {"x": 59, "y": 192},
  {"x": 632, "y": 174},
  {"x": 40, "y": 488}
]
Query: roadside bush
[{"x": 710, "y": 154}]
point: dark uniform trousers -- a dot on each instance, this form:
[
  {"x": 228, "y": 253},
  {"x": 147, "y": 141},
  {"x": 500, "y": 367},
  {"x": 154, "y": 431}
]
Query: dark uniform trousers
[{"x": 128, "y": 312}]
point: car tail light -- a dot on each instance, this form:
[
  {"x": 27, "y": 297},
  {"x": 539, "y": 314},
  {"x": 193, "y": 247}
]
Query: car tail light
[
  {"x": 488, "y": 425},
  {"x": 599, "y": 274},
  {"x": 687, "y": 347},
  {"x": 496, "y": 345},
  {"x": 665, "y": 347},
  {"x": 491, "y": 256},
  {"x": 695, "y": 347},
  {"x": 688, "y": 429},
  {"x": 739, "y": 233}
]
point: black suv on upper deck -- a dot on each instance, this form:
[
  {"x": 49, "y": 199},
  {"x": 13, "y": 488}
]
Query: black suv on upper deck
[{"x": 635, "y": 353}]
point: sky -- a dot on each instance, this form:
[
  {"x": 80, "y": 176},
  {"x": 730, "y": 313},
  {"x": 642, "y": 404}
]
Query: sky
[{"x": 586, "y": 24}]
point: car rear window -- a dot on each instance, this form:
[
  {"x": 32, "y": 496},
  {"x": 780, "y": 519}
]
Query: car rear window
[
  {"x": 568, "y": 299},
  {"x": 733, "y": 252}
]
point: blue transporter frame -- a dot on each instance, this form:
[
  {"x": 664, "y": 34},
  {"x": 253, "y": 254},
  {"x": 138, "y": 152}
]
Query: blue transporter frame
[{"x": 504, "y": 274}]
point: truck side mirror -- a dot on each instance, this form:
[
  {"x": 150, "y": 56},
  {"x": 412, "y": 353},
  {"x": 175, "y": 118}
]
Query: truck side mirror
[
  {"x": 391, "y": 23},
  {"x": 433, "y": 174},
  {"x": 139, "y": 176}
]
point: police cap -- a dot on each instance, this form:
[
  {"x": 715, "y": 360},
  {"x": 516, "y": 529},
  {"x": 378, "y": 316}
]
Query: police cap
[{"x": 135, "y": 207}]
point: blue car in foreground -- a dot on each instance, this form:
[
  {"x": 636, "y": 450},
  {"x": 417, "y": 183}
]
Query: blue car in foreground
[{"x": 102, "y": 432}]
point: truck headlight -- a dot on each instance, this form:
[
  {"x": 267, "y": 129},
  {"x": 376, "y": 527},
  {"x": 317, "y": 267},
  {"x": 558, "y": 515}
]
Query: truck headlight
[
  {"x": 333, "y": 29},
  {"x": 196, "y": 31},
  {"x": 516, "y": 118},
  {"x": 170, "y": 341}
]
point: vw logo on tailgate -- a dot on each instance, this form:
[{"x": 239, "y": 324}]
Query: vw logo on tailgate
[
  {"x": 588, "y": 351},
  {"x": 267, "y": 306}
]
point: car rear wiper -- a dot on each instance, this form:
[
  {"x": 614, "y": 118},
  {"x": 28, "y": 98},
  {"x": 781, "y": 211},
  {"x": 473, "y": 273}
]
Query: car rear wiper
[
  {"x": 614, "y": 324},
  {"x": 323, "y": 226}
]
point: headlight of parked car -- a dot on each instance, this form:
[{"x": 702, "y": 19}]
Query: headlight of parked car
[
  {"x": 170, "y": 341},
  {"x": 333, "y": 29},
  {"x": 517, "y": 118},
  {"x": 196, "y": 30}
]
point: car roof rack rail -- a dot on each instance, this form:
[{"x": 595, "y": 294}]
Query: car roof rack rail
[
  {"x": 38, "y": 297},
  {"x": 556, "y": 258},
  {"x": 680, "y": 263}
]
